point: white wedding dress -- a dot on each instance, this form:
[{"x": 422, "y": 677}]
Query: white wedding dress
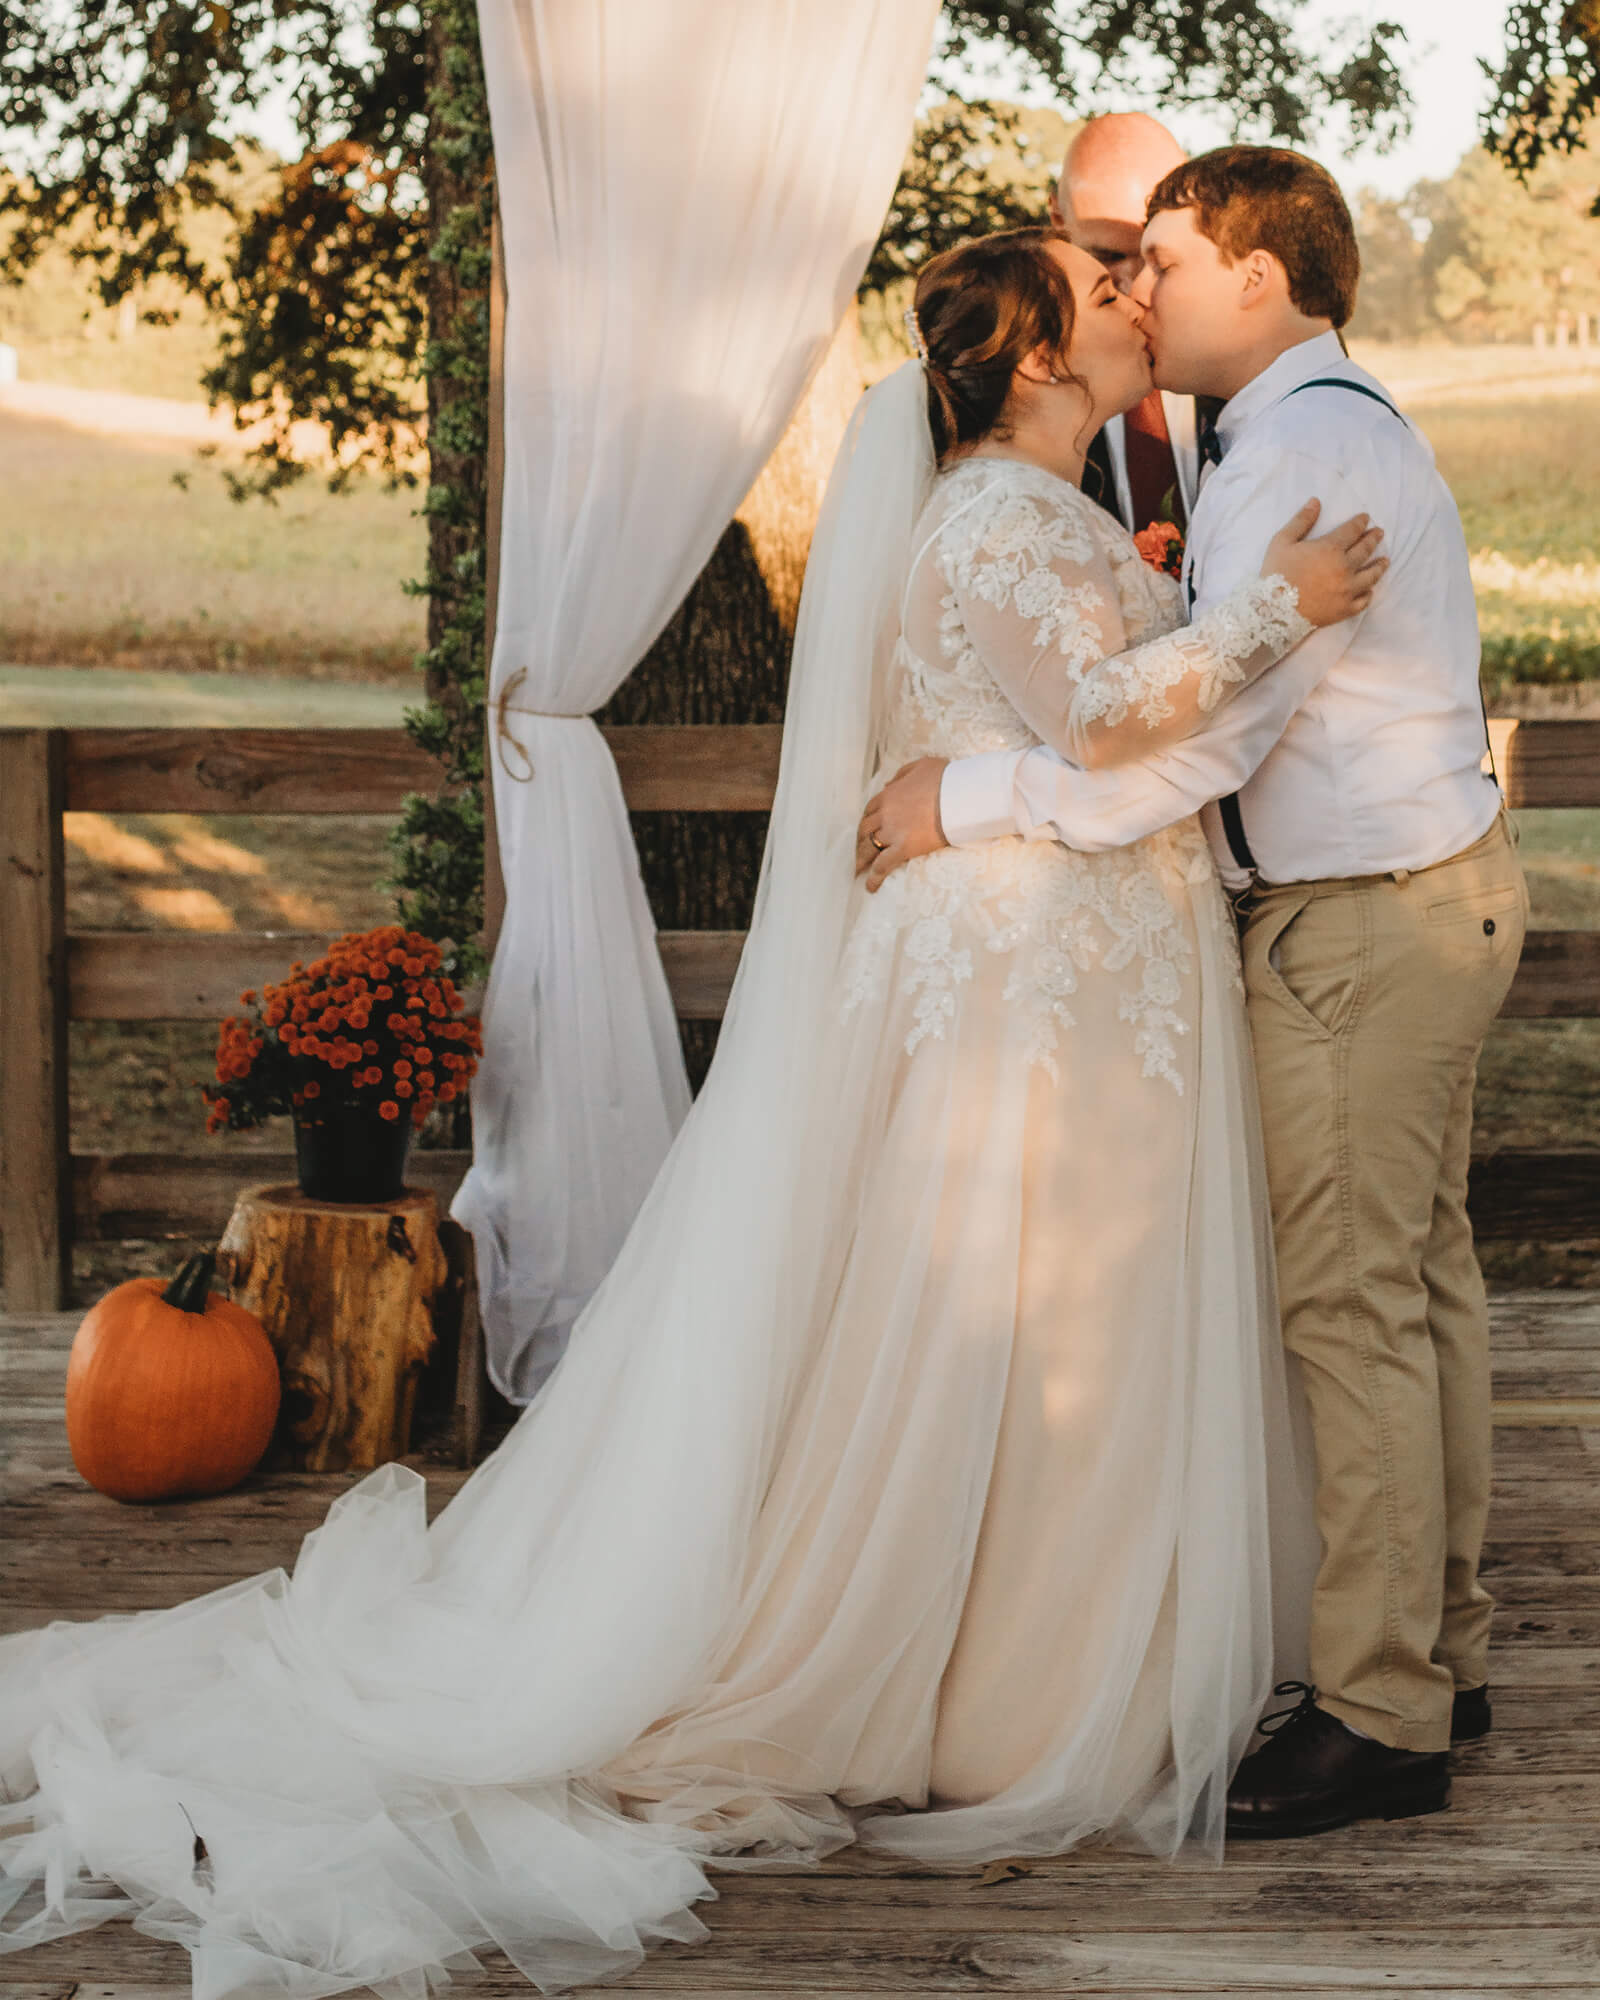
[{"x": 922, "y": 1473}]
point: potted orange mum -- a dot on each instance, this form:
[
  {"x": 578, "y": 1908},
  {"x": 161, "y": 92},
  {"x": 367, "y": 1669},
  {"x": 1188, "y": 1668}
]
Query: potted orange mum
[{"x": 357, "y": 1048}]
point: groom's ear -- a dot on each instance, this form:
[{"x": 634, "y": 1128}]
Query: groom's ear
[{"x": 1262, "y": 279}]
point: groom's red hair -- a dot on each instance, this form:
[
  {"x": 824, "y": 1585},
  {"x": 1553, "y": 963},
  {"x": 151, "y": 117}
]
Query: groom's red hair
[{"x": 1267, "y": 198}]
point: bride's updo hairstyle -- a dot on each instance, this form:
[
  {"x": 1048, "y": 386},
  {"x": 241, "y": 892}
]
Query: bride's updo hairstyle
[{"x": 982, "y": 309}]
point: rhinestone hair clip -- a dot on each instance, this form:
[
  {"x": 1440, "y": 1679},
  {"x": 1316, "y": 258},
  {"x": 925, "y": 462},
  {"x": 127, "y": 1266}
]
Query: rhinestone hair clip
[{"x": 914, "y": 329}]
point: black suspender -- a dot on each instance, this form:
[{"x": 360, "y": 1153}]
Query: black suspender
[{"x": 1338, "y": 382}]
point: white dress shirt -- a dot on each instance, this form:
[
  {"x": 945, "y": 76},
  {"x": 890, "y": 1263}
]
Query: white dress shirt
[
  {"x": 1181, "y": 435},
  {"x": 1363, "y": 750}
]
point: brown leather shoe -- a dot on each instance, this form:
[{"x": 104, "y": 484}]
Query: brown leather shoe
[
  {"x": 1312, "y": 1774},
  {"x": 1470, "y": 1715}
]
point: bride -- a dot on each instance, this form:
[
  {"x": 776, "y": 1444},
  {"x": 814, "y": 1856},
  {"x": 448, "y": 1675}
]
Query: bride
[{"x": 921, "y": 1474}]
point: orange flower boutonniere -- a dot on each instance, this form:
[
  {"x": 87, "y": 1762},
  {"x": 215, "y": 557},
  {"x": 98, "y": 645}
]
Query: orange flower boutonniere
[{"x": 1161, "y": 545}]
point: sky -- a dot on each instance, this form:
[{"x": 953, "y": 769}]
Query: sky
[{"x": 1445, "y": 38}]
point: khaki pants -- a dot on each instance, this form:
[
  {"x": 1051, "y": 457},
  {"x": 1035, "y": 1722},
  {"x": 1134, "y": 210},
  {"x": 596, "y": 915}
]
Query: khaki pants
[{"x": 1369, "y": 1001}]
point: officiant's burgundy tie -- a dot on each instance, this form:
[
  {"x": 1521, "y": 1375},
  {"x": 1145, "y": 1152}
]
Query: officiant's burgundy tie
[{"x": 1152, "y": 469}]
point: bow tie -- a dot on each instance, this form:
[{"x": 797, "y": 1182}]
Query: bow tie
[{"x": 1210, "y": 444}]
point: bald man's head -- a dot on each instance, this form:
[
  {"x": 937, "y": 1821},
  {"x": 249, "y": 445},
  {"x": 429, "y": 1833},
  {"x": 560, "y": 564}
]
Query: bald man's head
[{"x": 1111, "y": 169}]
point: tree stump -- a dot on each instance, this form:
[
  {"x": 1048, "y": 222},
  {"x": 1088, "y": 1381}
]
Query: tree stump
[{"x": 345, "y": 1291}]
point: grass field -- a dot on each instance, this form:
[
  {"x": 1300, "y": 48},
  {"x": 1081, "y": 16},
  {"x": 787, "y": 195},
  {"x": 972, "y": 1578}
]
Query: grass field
[
  {"x": 106, "y": 561},
  {"x": 1525, "y": 470}
]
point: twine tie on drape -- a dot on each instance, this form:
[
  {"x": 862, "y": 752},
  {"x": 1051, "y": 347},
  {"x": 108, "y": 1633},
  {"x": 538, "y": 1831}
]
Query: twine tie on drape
[{"x": 503, "y": 737}]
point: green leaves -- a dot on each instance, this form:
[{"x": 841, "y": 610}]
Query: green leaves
[
  {"x": 972, "y": 169},
  {"x": 1548, "y": 88},
  {"x": 1244, "y": 54}
]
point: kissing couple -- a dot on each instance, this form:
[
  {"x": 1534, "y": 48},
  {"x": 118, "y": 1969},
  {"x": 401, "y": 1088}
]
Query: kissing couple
[{"x": 990, "y": 1402}]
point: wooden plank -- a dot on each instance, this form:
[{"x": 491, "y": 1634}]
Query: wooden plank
[
  {"x": 126, "y": 1196},
  {"x": 176, "y": 975},
  {"x": 35, "y": 1181},
  {"x": 1531, "y": 1318},
  {"x": 1223, "y": 1960},
  {"x": 697, "y": 767},
  {"x": 664, "y": 767},
  {"x": 499, "y": 1980},
  {"x": 700, "y": 968},
  {"x": 1578, "y": 1411},
  {"x": 1548, "y": 763},
  {"x": 244, "y": 770},
  {"x": 472, "y": 1378},
  {"x": 1537, "y": 1197},
  {"x": 1317, "y": 1896},
  {"x": 1558, "y": 977},
  {"x": 1566, "y": 1374},
  {"x": 199, "y": 975}
]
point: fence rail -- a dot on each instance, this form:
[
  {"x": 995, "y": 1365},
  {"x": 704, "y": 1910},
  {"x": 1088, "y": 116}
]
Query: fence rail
[{"x": 49, "y": 977}]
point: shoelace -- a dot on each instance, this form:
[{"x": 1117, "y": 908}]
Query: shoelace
[{"x": 1285, "y": 1718}]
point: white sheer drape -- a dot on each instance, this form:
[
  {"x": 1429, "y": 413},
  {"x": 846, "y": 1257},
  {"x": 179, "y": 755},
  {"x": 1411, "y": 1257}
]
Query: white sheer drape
[{"x": 688, "y": 196}]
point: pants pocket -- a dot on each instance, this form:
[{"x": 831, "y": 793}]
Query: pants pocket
[
  {"x": 1306, "y": 954},
  {"x": 1487, "y": 902},
  {"x": 1475, "y": 938}
]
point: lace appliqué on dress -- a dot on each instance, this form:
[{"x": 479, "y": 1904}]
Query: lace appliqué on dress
[
  {"x": 1057, "y": 915},
  {"x": 1216, "y": 651}
]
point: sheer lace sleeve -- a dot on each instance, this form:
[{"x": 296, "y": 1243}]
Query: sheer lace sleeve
[{"x": 1034, "y": 589}]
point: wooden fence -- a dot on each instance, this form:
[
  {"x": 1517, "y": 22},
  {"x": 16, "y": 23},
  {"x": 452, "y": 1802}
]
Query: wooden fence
[{"x": 50, "y": 976}]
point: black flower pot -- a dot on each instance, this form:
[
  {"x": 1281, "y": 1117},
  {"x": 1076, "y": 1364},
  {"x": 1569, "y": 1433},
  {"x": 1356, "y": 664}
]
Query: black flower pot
[{"x": 346, "y": 1152}]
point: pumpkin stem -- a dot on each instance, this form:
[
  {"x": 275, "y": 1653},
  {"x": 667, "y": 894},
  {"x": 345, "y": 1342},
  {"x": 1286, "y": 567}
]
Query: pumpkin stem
[{"x": 191, "y": 1287}]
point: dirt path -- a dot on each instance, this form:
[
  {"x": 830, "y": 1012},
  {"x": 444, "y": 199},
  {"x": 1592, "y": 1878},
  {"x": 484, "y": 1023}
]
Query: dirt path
[{"x": 109, "y": 413}]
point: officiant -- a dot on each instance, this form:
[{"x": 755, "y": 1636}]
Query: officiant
[{"x": 1144, "y": 466}]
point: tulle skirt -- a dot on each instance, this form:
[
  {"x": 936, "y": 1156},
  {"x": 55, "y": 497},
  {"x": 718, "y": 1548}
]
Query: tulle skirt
[{"x": 953, "y": 1519}]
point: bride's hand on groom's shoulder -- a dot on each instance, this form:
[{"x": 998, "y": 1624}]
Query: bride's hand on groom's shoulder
[
  {"x": 1334, "y": 575},
  {"x": 901, "y": 821}
]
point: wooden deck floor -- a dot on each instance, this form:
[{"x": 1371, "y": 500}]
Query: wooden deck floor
[{"x": 1499, "y": 1895}]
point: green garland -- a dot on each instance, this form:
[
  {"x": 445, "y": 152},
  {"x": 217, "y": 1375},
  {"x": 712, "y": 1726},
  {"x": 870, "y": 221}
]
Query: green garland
[{"x": 439, "y": 844}]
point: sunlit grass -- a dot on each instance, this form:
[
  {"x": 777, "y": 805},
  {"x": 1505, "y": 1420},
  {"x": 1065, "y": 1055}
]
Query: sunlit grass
[
  {"x": 1525, "y": 471},
  {"x": 108, "y": 562}
]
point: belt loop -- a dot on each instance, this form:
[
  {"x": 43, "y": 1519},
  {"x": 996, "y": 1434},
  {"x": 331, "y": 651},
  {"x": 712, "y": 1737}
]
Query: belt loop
[{"x": 1399, "y": 877}]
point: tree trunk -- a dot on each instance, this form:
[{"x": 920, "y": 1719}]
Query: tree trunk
[
  {"x": 457, "y": 393},
  {"x": 345, "y": 1292},
  {"x": 724, "y": 657}
]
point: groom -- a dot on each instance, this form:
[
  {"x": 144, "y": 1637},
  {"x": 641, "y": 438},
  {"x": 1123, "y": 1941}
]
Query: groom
[{"x": 1383, "y": 909}]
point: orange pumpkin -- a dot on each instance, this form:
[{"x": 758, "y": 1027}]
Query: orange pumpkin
[{"x": 170, "y": 1393}]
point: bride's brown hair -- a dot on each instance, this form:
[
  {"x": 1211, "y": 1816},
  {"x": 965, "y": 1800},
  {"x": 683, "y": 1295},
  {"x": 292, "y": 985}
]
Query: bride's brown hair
[{"x": 982, "y": 309}]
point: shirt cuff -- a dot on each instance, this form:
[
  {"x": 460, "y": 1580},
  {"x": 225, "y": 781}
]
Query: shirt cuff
[{"x": 977, "y": 797}]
